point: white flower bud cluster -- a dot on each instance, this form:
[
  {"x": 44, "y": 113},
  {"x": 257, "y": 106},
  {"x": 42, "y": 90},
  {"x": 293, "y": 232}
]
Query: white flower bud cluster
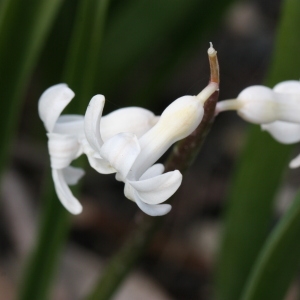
[
  {"x": 277, "y": 110},
  {"x": 127, "y": 142}
]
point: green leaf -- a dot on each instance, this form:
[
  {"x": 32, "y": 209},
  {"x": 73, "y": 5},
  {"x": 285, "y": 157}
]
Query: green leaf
[
  {"x": 250, "y": 210},
  {"x": 23, "y": 30},
  {"x": 168, "y": 28},
  {"x": 53, "y": 231},
  {"x": 278, "y": 261},
  {"x": 85, "y": 51},
  {"x": 80, "y": 75},
  {"x": 258, "y": 175}
]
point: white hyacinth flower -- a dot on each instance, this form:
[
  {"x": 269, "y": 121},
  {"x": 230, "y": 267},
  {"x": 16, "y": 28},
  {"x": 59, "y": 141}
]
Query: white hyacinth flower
[
  {"x": 277, "y": 110},
  {"x": 133, "y": 157},
  {"x": 254, "y": 104},
  {"x": 285, "y": 132},
  {"x": 127, "y": 141},
  {"x": 98, "y": 129},
  {"x": 262, "y": 105},
  {"x": 64, "y": 133},
  {"x": 71, "y": 135}
]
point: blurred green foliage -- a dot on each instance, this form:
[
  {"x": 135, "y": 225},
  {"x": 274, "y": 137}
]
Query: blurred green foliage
[
  {"x": 66, "y": 40},
  {"x": 258, "y": 176}
]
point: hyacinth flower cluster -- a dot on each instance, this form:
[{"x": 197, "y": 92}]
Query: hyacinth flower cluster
[
  {"x": 277, "y": 110},
  {"x": 127, "y": 142}
]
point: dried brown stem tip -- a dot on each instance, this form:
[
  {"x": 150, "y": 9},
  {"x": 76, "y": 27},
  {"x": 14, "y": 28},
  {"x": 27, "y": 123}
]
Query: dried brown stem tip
[
  {"x": 186, "y": 150},
  {"x": 214, "y": 64}
]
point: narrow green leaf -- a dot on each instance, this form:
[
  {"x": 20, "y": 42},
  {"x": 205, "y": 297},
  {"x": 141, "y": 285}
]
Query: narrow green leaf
[
  {"x": 80, "y": 75},
  {"x": 140, "y": 28},
  {"x": 135, "y": 29},
  {"x": 206, "y": 17},
  {"x": 258, "y": 175},
  {"x": 279, "y": 260},
  {"x": 53, "y": 231},
  {"x": 250, "y": 209},
  {"x": 85, "y": 51},
  {"x": 119, "y": 267},
  {"x": 23, "y": 29}
]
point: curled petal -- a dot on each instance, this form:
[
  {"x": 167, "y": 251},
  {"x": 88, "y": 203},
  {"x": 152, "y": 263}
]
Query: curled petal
[
  {"x": 101, "y": 165},
  {"x": 62, "y": 149},
  {"x": 64, "y": 193},
  {"x": 52, "y": 103},
  {"x": 98, "y": 163},
  {"x": 72, "y": 175},
  {"x": 295, "y": 163},
  {"x": 119, "y": 177},
  {"x": 92, "y": 122},
  {"x": 158, "y": 189},
  {"x": 136, "y": 120},
  {"x": 152, "y": 210},
  {"x": 69, "y": 124},
  {"x": 153, "y": 171},
  {"x": 283, "y": 132},
  {"x": 121, "y": 151},
  {"x": 128, "y": 191}
]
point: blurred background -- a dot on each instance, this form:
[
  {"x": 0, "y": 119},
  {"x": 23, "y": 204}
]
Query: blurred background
[{"x": 152, "y": 52}]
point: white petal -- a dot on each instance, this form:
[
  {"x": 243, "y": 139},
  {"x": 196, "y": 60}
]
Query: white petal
[
  {"x": 69, "y": 124},
  {"x": 288, "y": 107},
  {"x": 62, "y": 149},
  {"x": 119, "y": 177},
  {"x": 92, "y": 122},
  {"x": 121, "y": 151},
  {"x": 136, "y": 120},
  {"x": 258, "y": 105},
  {"x": 64, "y": 193},
  {"x": 153, "y": 171},
  {"x": 288, "y": 87},
  {"x": 181, "y": 117},
  {"x": 52, "y": 103},
  {"x": 100, "y": 165},
  {"x": 72, "y": 175},
  {"x": 158, "y": 189},
  {"x": 295, "y": 163},
  {"x": 283, "y": 132},
  {"x": 178, "y": 120},
  {"x": 152, "y": 210},
  {"x": 129, "y": 191}
]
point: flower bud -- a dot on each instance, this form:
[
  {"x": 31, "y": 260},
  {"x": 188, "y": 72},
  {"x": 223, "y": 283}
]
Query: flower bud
[{"x": 257, "y": 105}]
